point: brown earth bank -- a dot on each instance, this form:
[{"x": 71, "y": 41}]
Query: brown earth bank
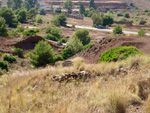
[
  {"x": 25, "y": 43},
  {"x": 92, "y": 54}
]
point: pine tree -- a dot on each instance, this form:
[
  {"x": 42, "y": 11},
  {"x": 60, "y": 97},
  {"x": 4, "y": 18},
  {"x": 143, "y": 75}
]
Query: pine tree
[
  {"x": 91, "y": 4},
  {"x": 82, "y": 8}
]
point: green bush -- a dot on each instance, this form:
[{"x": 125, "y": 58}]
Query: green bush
[
  {"x": 87, "y": 46},
  {"x": 118, "y": 30},
  {"x": 9, "y": 59},
  {"x": 13, "y": 33},
  {"x": 141, "y": 32},
  {"x": 39, "y": 20},
  {"x": 146, "y": 11},
  {"x": 119, "y": 14},
  {"x": 67, "y": 53},
  {"x": 51, "y": 37},
  {"x": 43, "y": 54},
  {"x": 20, "y": 29},
  {"x": 55, "y": 31},
  {"x": 59, "y": 20},
  {"x": 30, "y": 32},
  {"x": 3, "y": 27},
  {"x": 73, "y": 46},
  {"x": 119, "y": 53},
  {"x": 62, "y": 40},
  {"x": 42, "y": 12},
  {"x": 58, "y": 58},
  {"x": 4, "y": 65},
  {"x": 83, "y": 36},
  {"x": 127, "y": 15},
  {"x": 18, "y": 52}
]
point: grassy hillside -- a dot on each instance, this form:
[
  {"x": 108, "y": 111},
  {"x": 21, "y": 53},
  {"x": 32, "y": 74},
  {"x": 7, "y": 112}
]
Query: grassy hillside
[{"x": 107, "y": 90}]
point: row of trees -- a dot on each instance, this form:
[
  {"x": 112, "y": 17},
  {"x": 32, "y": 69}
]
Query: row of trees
[{"x": 18, "y": 4}]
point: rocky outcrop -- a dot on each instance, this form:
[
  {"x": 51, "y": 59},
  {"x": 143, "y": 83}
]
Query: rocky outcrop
[{"x": 71, "y": 76}]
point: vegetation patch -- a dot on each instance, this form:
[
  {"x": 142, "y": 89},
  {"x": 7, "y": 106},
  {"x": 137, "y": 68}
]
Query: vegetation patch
[{"x": 119, "y": 53}]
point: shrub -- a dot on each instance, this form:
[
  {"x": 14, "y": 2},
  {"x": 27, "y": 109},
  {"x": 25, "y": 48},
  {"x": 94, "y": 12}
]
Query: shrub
[
  {"x": 127, "y": 15},
  {"x": 43, "y": 54},
  {"x": 145, "y": 10},
  {"x": 83, "y": 36},
  {"x": 3, "y": 27},
  {"x": 119, "y": 53},
  {"x": 141, "y": 32},
  {"x": 67, "y": 53},
  {"x": 39, "y": 20},
  {"x": 118, "y": 30},
  {"x": 30, "y": 32},
  {"x": 42, "y": 12},
  {"x": 13, "y": 33},
  {"x": 73, "y": 46},
  {"x": 62, "y": 40},
  {"x": 51, "y": 37},
  {"x": 87, "y": 46},
  {"x": 22, "y": 16},
  {"x": 148, "y": 14},
  {"x": 101, "y": 19},
  {"x": 58, "y": 58},
  {"x": 20, "y": 29},
  {"x": 120, "y": 14},
  {"x": 9, "y": 59},
  {"x": 18, "y": 52},
  {"x": 59, "y": 20},
  {"x": 55, "y": 31},
  {"x": 4, "y": 65}
]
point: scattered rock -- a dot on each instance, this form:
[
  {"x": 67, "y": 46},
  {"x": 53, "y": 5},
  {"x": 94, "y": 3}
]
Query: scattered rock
[
  {"x": 67, "y": 77},
  {"x": 67, "y": 63}
]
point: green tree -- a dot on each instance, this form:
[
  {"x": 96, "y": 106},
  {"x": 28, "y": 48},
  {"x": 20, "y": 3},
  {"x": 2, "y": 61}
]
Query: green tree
[
  {"x": 83, "y": 36},
  {"x": 30, "y": 4},
  {"x": 43, "y": 54},
  {"x": 55, "y": 31},
  {"x": 101, "y": 19},
  {"x": 42, "y": 12},
  {"x": 82, "y": 8},
  {"x": 22, "y": 16},
  {"x": 127, "y": 15},
  {"x": 92, "y": 4},
  {"x": 97, "y": 19},
  {"x": 107, "y": 20},
  {"x": 16, "y": 4},
  {"x": 69, "y": 6},
  {"x": 51, "y": 7},
  {"x": 59, "y": 20},
  {"x": 32, "y": 13},
  {"x": 73, "y": 46},
  {"x": 117, "y": 30},
  {"x": 9, "y": 16},
  {"x": 9, "y": 3},
  {"x": 3, "y": 26}
]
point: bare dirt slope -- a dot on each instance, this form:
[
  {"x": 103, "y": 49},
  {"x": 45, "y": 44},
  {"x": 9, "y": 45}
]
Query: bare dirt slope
[
  {"x": 25, "y": 43},
  {"x": 92, "y": 54}
]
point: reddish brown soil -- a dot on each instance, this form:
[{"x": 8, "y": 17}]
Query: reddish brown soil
[
  {"x": 92, "y": 54},
  {"x": 25, "y": 43}
]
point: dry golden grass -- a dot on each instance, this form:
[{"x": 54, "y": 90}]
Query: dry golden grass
[
  {"x": 147, "y": 105},
  {"x": 34, "y": 92}
]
